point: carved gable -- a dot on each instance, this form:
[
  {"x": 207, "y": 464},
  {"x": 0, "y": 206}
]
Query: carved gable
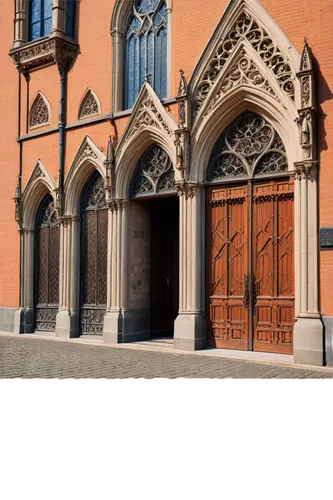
[
  {"x": 241, "y": 27},
  {"x": 38, "y": 173},
  {"x": 87, "y": 151},
  {"x": 147, "y": 112},
  {"x": 243, "y": 70}
]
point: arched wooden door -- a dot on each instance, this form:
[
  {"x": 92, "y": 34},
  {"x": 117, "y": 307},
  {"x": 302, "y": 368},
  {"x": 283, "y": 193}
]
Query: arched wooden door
[
  {"x": 47, "y": 266},
  {"x": 94, "y": 235},
  {"x": 250, "y": 241}
]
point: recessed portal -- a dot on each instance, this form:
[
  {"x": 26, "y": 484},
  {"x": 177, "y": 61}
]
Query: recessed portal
[
  {"x": 154, "y": 268},
  {"x": 164, "y": 266}
]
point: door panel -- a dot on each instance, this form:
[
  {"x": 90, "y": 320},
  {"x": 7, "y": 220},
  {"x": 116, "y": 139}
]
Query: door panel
[
  {"x": 94, "y": 233},
  {"x": 47, "y": 266},
  {"x": 261, "y": 299},
  {"x": 227, "y": 260},
  {"x": 273, "y": 266}
]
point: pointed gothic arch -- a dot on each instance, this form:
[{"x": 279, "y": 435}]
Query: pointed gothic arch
[
  {"x": 268, "y": 59},
  {"x": 40, "y": 111},
  {"x": 90, "y": 105},
  {"x": 39, "y": 186},
  {"x": 149, "y": 124},
  {"x": 87, "y": 159},
  {"x": 238, "y": 100}
]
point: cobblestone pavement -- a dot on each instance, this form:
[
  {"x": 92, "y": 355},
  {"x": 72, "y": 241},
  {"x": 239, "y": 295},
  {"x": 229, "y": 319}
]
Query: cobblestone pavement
[{"x": 22, "y": 357}]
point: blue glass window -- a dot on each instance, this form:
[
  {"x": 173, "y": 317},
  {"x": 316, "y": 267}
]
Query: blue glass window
[
  {"x": 40, "y": 18},
  {"x": 146, "y": 49},
  {"x": 70, "y": 18}
]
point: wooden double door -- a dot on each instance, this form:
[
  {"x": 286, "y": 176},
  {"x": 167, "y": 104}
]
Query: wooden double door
[{"x": 250, "y": 266}]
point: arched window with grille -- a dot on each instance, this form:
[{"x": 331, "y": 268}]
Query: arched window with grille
[
  {"x": 40, "y": 18},
  {"x": 47, "y": 265},
  {"x": 94, "y": 236},
  {"x": 146, "y": 49}
]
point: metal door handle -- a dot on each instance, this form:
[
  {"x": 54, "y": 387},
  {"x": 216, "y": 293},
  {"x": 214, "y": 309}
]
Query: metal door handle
[
  {"x": 246, "y": 297},
  {"x": 255, "y": 292}
]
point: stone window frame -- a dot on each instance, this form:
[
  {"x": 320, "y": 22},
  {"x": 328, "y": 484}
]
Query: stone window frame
[
  {"x": 121, "y": 13},
  {"x": 37, "y": 97},
  {"x": 55, "y": 47},
  {"x": 86, "y": 94}
]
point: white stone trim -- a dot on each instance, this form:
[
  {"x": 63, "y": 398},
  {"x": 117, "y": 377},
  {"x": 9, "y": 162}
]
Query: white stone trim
[
  {"x": 149, "y": 123},
  {"x": 40, "y": 182},
  {"x": 32, "y": 111},
  {"x": 88, "y": 91},
  {"x": 230, "y": 15},
  {"x": 242, "y": 98},
  {"x": 120, "y": 16},
  {"x": 88, "y": 158},
  {"x": 209, "y": 105}
]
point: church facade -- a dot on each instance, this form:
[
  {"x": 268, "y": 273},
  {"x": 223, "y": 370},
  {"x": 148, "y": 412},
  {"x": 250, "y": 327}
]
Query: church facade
[{"x": 167, "y": 172}]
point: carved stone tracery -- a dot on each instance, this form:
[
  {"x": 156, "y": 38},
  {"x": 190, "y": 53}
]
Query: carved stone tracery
[
  {"x": 154, "y": 173},
  {"x": 94, "y": 196},
  {"x": 41, "y": 52},
  {"x": 38, "y": 172},
  {"x": 39, "y": 113},
  {"x": 245, "y": 28},
  {"x": 89, "y": 105},
  {"x": 249, "y": 146},
  {"x": 243, "y": 71},
  {"x": 87, "y": 152},
  {"x": 148, "y": 115}
]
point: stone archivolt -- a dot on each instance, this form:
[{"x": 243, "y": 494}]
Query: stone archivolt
[
  {"x": 148, "y": 115},
  {"x": 246, "y": 27},
  {"x": 249, "y": 146},
  {"x": 242, "y": 71}
]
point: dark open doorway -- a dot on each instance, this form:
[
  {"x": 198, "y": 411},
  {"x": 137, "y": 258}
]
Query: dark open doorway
[{"x": 164, "y": 266}]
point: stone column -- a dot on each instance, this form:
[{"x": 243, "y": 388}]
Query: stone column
[
  {"x": 67, "y": 321},
  {"x": 118, "y": 70},
  {"x": 21, "y": 23},
  {"x": 59, "y": 17},
  {"x": 29, "y": 312},
  {"x": 308, "y": 331},
  {"x": 189, "y": 333},
  {"x": 19, "y": 313},
  {"x": 117, "y": 272},
  {"x": 297, "y": 245}
]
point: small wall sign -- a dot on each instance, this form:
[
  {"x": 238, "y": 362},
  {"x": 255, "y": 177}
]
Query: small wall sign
[{"x": 326, "y": 238}]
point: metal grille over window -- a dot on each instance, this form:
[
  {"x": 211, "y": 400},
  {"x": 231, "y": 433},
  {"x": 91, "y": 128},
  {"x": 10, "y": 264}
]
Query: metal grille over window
[
  {"x": 39, "y": 114},
  {"x": 248, "y": 147},
  {"x": 154, "y": 173},
  {"x": 47, "y": 266},
  {"x": 89, "y": 105},
  {"x": 146, "y": 49},
  {"x": 94, "y": 230}
]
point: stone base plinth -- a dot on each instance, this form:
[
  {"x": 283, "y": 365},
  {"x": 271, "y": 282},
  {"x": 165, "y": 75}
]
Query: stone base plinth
[
  {"x": 309, "y": 342},
  {"x": 67, "y": 325},
  {"x": 190, "y": 332}
]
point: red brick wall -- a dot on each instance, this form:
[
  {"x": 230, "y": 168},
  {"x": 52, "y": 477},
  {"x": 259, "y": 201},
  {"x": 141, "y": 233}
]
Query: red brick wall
[{"x": 193, "y": 22}]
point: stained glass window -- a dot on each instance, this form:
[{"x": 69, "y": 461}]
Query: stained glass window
[
  {"x": 70, "y": 18},
  {"x": 40, "y": 18},
  {"x": 146, "y": 49}
]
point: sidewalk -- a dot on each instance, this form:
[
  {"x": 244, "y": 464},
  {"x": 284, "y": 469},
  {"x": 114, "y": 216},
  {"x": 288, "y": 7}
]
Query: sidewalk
[{"x": 207, "y": 357}]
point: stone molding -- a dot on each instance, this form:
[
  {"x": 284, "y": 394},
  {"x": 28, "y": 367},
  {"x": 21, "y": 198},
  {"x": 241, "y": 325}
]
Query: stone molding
[{"x": 53, "y": 49}]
